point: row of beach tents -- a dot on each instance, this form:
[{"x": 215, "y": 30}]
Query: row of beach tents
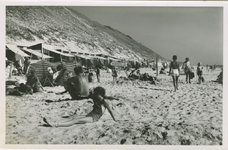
[{"x": 43, "y": 56}]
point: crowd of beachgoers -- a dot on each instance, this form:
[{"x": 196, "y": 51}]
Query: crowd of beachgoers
[{"x": 177, "y": 105}]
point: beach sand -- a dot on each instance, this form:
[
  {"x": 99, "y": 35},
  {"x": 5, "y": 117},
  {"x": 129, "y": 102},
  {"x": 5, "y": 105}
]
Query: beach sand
[{"x": 148, "y": 114}]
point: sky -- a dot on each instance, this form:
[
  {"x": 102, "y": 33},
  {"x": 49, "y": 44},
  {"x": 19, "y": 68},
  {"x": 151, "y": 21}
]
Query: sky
[{"x": 194, "y": 32}]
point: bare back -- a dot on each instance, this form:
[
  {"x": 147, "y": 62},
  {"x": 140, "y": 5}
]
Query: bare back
[
  {"x": 78, "y": 86},
  {"x": 174, "y": 65}
]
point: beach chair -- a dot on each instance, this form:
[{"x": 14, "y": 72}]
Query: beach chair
[
  {"x": 48, "y": 79},
  {"x": 56, "y": 81}
]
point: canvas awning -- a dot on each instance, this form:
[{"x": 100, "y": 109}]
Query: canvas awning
[
  {"x": 57, "y": 52},
  {"x": 98, "y": 57},
  {"x": 16, "y": 50},
  {"x": 37, "y": 53},
  {"x": 83, "y": 56},
  {"x": 113, "y": 59}
]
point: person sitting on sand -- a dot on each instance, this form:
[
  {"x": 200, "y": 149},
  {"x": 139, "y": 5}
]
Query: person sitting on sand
[
  {"x": 97, "y": 96},
  {"x": 199, "y": 72},
  {"x": 175, "y": 70},
  {"x": 33, "y": 81},
  {"x": 77, "y": 86}
]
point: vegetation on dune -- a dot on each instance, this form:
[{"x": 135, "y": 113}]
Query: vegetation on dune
[{"x": 56, "y": 25}]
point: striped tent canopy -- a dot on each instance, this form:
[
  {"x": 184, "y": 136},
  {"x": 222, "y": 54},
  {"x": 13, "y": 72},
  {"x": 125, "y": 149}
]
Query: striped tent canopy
[{"x": 41, "y": 68}]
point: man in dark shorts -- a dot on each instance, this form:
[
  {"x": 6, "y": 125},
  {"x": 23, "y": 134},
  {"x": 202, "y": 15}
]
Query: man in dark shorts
[{"x": 77, "y": 86}]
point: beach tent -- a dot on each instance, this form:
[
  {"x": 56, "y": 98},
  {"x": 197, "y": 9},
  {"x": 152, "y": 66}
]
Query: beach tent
[
  {"x": 13, "y": 53},
  {"x": 41, "y": 68},
  {"x": 35, "y": 54},
  {"x": 52, "y": 51}
]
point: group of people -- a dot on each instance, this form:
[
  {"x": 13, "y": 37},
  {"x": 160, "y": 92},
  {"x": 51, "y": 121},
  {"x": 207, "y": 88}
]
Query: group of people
[
  {"x": 175, "y": 71},
  {"x": 17, "y": 67},
  {"x": 78, "y": 88},
  {"x": 31, "y": 85}
]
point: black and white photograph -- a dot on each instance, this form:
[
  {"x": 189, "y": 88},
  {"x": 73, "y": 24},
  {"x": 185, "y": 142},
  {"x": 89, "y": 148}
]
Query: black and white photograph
[{"x": 114, "y": 75}]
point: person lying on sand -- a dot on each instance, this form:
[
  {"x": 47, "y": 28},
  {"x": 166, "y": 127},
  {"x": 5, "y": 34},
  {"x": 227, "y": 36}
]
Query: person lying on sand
[{"x": 98, "y": 95}]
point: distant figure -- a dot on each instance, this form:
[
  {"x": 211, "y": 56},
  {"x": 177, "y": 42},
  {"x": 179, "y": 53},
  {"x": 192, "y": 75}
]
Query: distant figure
[
  {"x": 114, "y": 74},
  {"x": 98, "y": 73},
  {"x": 78, "y": 86},
  {"x": 207, "y": 68},
  {"x": 200, "y": 73},
  {"x": 98, "y": 97},
  {"x": 162, "y": 71},
  {"x": 19, "y": 67},
  {"x": 90, "y": 76},
  {"x": 26, "y": 65},
  {"x": 33, "y": 81},
  {"x": 187, "y": 69},
  {"x": 174, "y": 69},
  {"x": 211, "y": 68}
]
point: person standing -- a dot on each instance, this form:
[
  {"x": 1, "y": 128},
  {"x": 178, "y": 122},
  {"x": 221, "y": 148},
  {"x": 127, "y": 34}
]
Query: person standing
[
  {"x": 187, "y": 69},
  {"x": 199, "y": 72},
  {"x": 26, "y": 65},
  {"x": 98, "y": 73},
  {"x": 174, "y": 69},
  {"x": 114, "y": 74}
]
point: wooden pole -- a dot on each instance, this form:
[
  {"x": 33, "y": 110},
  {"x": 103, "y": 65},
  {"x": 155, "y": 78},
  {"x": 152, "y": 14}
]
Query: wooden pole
[
  {"x": 157, "y": 66},
  {"x": 10, "y": 73}
]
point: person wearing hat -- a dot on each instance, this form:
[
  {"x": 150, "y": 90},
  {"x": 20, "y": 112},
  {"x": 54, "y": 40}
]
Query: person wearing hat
[{"x": 187, "y": 69}]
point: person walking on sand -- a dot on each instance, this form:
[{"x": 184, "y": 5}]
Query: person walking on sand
[
  {"x": 187, "y": 69},
  {"x": 114, "y": 74},
  {"x": 174, "y": 69},
  {"x": 98, "y": 73},
  {"x": 97, "y": 96},
  {"x": 199, "y": 72}
]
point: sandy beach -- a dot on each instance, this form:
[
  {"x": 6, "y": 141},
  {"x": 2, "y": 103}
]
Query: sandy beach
[{"x": 147, "y": 114}]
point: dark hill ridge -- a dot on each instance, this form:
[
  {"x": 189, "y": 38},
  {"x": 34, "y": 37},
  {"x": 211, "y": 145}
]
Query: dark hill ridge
[{"x": 64, "y": 26}]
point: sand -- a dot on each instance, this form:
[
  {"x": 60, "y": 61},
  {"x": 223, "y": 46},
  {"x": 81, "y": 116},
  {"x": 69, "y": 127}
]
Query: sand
[{"x": 147, "y": 114}]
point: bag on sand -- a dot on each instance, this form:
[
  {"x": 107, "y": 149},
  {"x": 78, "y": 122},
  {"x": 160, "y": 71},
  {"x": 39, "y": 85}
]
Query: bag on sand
[{"x": 191, "y": 75}]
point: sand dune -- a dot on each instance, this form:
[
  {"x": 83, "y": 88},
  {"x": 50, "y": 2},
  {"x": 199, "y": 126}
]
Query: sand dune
[{"x": 148, "y": 114}]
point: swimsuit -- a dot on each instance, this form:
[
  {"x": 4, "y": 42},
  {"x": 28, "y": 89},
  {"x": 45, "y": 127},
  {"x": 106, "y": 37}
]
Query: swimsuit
[
  {"x": 175, "y": 72},
  {"x": 96, "y": 113}
]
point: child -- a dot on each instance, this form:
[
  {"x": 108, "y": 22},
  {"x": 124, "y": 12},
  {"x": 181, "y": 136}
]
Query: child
[
  {"x": 175, "y": 70},
  {"x": 114, "y": 74},
  {"x": 97, "y": 95},
  {"x": 199, "y": 73}
]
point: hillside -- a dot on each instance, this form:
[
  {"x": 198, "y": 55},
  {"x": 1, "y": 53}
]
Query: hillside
[{"x": 65, "y": 27}]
